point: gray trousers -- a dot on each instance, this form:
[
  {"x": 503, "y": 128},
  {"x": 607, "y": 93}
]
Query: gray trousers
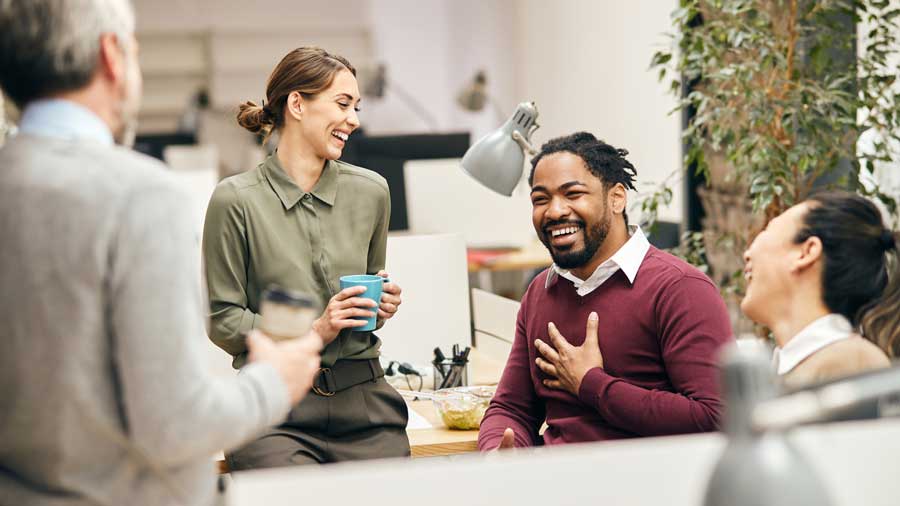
[{"x": 365, "y": 421}]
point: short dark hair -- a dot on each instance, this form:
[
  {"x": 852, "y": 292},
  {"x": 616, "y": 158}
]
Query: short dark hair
[
  {"x": 858, "y": 281},
  {"x": 604, "y": 161}
]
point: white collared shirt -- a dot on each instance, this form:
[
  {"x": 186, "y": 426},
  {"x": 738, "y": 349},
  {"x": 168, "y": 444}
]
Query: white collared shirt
[
  {"x": 628, "y": 258},
  {"x": 63, "y": 119},
  {"x": 815, "y": 336}
]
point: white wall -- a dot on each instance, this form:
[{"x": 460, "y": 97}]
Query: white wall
[
  {"x": 432, "y": 49},
  {"x": 230, "y": 47},
  {"x": 585, "y": 64}
]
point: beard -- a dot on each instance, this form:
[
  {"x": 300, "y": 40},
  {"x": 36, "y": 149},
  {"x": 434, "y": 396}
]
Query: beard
[
  {"x": 127, "y": 109},
  {"x": 126, "y": 134},
  {"x": 594, "y": 236}
]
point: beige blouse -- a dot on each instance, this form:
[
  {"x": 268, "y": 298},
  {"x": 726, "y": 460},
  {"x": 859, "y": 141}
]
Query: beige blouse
[{"x": 845, "y": 357}]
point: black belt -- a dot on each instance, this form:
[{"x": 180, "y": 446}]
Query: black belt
[{"x": 345, "y": 374}]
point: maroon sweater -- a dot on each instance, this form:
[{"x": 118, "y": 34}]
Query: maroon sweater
[{"x": 660, "y": 339}]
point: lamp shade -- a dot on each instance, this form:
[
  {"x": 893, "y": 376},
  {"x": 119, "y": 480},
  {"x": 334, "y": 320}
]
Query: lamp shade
[
  {"x": 496, "y": 159},
  {"x": 757, "y": 467}
]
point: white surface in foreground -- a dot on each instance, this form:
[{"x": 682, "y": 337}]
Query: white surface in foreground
[{"x": 858, "y": 461}]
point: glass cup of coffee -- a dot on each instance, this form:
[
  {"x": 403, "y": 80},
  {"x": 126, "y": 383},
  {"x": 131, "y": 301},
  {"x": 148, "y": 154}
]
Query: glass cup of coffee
[{"x": 287, "y": 314}]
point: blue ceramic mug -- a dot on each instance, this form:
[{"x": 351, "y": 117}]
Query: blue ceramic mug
[{"x": 374, "y": 286}]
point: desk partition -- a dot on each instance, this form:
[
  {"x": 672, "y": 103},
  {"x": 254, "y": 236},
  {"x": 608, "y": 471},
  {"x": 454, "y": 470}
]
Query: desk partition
[{"x": 857, "y": 461}]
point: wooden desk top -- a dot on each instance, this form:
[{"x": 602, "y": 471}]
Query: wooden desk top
[
  {"x": 439, "y": 440},
  {"x": 533, "y": 256}
]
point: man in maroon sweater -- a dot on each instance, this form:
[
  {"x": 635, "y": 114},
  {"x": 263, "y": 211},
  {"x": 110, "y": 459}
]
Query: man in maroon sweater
[{"x": 646, "y": 364}]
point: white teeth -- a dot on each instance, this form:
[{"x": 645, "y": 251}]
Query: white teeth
[
  {"x": 340, "y": 135},
  {"x": 564, "y": 231}
]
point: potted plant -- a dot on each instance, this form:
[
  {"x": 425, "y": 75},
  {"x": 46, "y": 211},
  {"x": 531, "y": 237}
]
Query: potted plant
[{"x": 778, "y": 100}]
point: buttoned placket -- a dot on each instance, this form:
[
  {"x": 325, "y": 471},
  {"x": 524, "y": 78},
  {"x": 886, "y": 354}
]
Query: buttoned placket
[{"x": 314, "y": 231}]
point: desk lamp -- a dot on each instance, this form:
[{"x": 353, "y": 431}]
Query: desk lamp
[
  {"x": 760, "y": 466},
  {"x": 496, "y": 159},
  {"x": 375, "y": 83}
]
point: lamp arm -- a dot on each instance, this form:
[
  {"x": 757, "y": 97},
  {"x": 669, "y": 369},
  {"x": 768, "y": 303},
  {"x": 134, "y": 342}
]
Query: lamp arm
[
  {"x": 822, "y": 403},
  {"x": 523, "y": 143},
  {"x": 413, "y": 104}
]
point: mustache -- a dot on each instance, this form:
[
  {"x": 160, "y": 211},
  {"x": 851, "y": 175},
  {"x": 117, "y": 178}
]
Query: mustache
[{"x": 555, "y": 223}]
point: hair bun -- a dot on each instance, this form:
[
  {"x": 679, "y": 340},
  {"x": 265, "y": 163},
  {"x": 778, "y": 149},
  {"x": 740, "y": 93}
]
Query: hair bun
[
  {"x": 266, "y": 115},
  {"x": 622, "y": 152},
  {"x": 887, "y": 239},
  {"x": 255, "y": 118}
]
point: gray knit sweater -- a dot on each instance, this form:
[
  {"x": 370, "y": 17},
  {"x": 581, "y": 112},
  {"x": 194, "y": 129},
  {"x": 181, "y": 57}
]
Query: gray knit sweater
[{"x": 105, "y": 398}]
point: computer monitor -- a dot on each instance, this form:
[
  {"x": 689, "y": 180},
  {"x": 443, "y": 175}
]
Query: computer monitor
[{"x": 386, "y": 155}]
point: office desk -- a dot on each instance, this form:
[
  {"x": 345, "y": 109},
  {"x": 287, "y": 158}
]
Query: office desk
[
  {"x": 483, "y": 263},
  {"x": 439, "y": 440},
  {"x": 534, "y": 256}
]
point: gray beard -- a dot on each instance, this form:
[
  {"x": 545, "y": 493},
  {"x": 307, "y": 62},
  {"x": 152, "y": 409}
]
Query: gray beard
[{"x": 127, "y": 134}]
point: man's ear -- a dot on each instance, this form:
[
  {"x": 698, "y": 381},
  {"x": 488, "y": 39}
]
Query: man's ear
[
  {"x": 111, "y": 64},
  {"x": 810, "y": 253},
  {"x": 617, "y": 198},
  {"x": 295, "y": 105}
]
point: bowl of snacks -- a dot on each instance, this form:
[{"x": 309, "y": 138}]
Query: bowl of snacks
[{"x": 462, "y": 408}]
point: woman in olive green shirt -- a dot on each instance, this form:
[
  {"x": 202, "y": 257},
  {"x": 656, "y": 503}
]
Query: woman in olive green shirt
[{"x": 302, "y": 219}]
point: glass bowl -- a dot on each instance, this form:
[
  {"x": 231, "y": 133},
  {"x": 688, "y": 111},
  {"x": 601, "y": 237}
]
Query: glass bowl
[{"x": 462, "y": 408}]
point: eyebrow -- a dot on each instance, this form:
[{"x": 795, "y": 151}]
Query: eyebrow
[
  {"x": 562, "y": 187},
  {"x": 349, "y": 96}
]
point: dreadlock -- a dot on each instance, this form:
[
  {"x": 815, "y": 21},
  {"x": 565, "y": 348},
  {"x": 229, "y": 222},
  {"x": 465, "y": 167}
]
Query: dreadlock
[{"x": 604, "y": 161}]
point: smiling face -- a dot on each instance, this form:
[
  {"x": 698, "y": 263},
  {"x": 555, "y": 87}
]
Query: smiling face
[
  {"x": 328, "y": 118},
  {"x": 771, "y": 266},
  {"x": 570, "y": 211}
]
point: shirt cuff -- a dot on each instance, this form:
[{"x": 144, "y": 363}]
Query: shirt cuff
[
  {"x": 274, "y": 398},
  {"x": 593, "y": 385}
]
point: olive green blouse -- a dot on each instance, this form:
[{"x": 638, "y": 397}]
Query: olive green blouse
[{"x": 261, "y": 228}]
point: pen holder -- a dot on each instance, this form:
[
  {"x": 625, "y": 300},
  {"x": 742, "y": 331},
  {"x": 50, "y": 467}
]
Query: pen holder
[{"x": 450, "y": 374}]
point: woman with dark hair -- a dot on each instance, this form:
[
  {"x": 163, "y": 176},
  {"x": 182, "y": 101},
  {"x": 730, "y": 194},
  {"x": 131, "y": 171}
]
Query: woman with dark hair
[
  {"x": 302, "y": 219},
  {"x": 823, "y": 276}
]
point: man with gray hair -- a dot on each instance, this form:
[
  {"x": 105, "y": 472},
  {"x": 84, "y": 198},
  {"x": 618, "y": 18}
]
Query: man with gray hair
[{"x": 107, "y": 398}]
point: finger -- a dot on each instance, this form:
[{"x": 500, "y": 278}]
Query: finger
[
  {"x": 590, "y": 335},
  {"x": 383, "y": 273},
  {"x": 360, "y": 302},
  {"x": 390, "y": 299},
  {"x": 346, "y": 293},
  {"x": 354, "y": 312},
  {"x": 547, "y": 351},
  {"x": 257, "y": 341},
  {"x": 392, "y": 289},
  {"x": 387, "y": 307},
  {"x": 348, "y": 324},
  {"x": 508, "y": 440},
  {"x": 548, "y": 368},
  {"x": 559, "y": 342},
  {"x": 554, "y": 384}
]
